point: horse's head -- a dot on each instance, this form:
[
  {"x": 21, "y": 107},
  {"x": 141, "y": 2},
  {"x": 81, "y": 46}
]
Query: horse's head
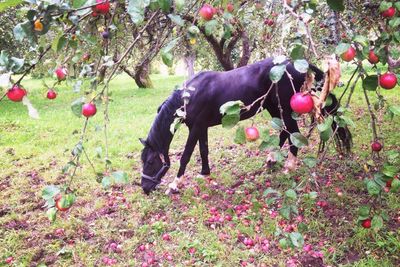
[{"x": 154, "y": 167}]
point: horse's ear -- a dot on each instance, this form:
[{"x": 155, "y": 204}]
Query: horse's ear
[{"x": 143, "y": 141}]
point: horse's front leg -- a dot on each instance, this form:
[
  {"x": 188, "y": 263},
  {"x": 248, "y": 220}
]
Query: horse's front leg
[
  {"x": 187, "y": 153},
  {"x": 291, "y": 127},
  {"x": 203, "y": 145}
]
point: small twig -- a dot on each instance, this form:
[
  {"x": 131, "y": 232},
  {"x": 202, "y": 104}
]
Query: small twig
[
  {"x": 372, "y": 114},
  {"x": 348, "y": 84},
  {"x": 90, "y": 162},
  {"x": 352, "y": 90},
  {"x": 328, "y": 144}
]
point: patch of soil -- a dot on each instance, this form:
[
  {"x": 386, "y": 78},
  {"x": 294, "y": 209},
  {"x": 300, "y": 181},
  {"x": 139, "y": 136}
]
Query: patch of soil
[
  {"x": 16, "y": 225},
  {"x": 350, "y": 257},
  {"x": 310, "y": 261}
]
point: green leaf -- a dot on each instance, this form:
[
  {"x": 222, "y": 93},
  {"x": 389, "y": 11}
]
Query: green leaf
[
  {"x": 373, "y": 188},
  {"x": 229, "y": 121},
  {"x": 291, "y": 194},
  {"x": 270, "y": 142},
  {"x": 310, "y": 161},
  {"x": 165, "y": 5},
  {"x": 325, "y": 135},
  {"x": 389, "y": 170},
  {"x": 49, "y": 192},
  {"x": 16, "y": 64},
  {"x": 277, "y": 124},
  {"x": 312, "y": 195},
  {"x": 231, "y": 107},
  {"x": 298, "y": 139},
  {"x": 79, "y": 3},
  {"x": 395, "y": 186},
  {"x": 285, "y": 212},
  {"x": 397, "y": 5},
  {"x": 395, "y": 110},
  {"x": 370, "y": 83},
  {"x": 210, "y": 27},
  {"x": 276, "y": 73},
  {"x": 341, "y": 48},
  {"x": 240, "y": 136},
  {"x": 136, "y": 10},
  {"x": 193, "y": 30},
  {"x": 362, "y": 40},
  {"x": 270, "y": 191},
  {"x": 364, "y": 211},
  {"x": 59, "y": 43},
  {"x": 179, "y": 5},
  {"x": 384, "y": 6},
  {"x": 336, "y": 5},
  {"x": 120, "y": 177},
  {"x": 78, "y": 149},
  {"x": 177, "y": 19},
  {"x": 296, "y": 239},
  {"x": 377, "y": 222},
  {"x": 51, "y": 214},
  {"x": 167, "y": 58},
  {"x": 394, "y": 22},
  {"x": 106, "y": 182},
  {"x": 301, "y": 65},
  {"x": 283, "y": 243},
  {"x": 76, "y": 106},
  {"x": 297, "y": 52},
  {"x": 327, "y": 124}
]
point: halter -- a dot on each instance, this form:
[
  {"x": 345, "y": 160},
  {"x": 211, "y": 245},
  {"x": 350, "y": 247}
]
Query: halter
[{"x": 157, "y": 178}]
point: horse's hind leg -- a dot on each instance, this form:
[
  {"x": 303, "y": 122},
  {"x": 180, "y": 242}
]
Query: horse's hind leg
[
  {"x": 187, "y": 153},
  {"x": 203, "y": 145}
]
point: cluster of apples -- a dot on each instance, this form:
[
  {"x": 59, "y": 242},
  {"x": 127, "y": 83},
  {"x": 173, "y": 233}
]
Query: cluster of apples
[
  {"x": 102, "y": 7},
  {"x": 17, "y": 93},
  {"x": 300, "y": 103},
  {"x": 207, "y": 11},
  {"x": 387, "y": 80}
]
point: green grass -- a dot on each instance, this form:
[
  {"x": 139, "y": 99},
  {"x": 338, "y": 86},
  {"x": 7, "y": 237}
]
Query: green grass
[{"x": 33, "y": 153}]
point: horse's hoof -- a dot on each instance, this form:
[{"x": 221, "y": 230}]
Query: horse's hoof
[{"x": 171, "y": 191}]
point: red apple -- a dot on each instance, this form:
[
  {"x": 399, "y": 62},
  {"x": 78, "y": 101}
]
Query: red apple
[
  {"x": 51, "y": 94},
  {"x": 251, "y": 133},
  {"x": 376, "y": 146},
  {"x": 269, "y": 22},
  {"x": 9, "y": 260},
  {"x": 207, "y": 12},
  {"x": 349, "y": 55},
  {"x": 388, "y": 80},
  {"x": 59, "y": 205},
  {"x": 366, "y": 223},
  {"x": 229, "y": 7},
  {"x": 302, "y": 103},
  {"x": 103, "y": 6},
  {"x": 372, "y": 57},
  {"x": 389, "y": 183},
  {"x": 388, "y": 13},
  {"x": 86, "y": 57},
  {"x": 166, "y": 237},
  {"x": 89, "y": 110},
  {"x": 61, "y": 73},
  {"x": 16, "y": 93}
]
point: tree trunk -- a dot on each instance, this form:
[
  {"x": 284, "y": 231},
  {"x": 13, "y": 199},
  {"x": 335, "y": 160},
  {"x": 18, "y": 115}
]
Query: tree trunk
[{"x": 190, "y": 58}]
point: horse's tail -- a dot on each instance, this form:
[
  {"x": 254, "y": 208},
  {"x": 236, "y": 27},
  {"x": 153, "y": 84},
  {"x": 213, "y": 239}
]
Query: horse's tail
[
  {"x": 319, "y": 74},
  {"x": 343, "y": 137}
]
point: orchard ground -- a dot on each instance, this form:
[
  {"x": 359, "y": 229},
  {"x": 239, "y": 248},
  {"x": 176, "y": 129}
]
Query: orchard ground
[{"x": 123, "y": 226}]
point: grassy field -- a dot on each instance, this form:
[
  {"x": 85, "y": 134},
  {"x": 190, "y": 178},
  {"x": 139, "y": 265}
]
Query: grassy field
[{"x": 123, "y": 227}]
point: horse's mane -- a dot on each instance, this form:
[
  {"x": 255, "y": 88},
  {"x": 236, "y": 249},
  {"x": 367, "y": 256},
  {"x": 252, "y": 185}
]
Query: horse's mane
[{"x": 160, "y": 137}]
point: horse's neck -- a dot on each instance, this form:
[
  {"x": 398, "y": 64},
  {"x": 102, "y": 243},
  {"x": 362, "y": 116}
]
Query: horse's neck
[{"x": 160, "y": 135}]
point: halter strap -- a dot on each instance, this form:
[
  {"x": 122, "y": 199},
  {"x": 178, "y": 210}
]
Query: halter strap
[{"x": 157, "y": 178}]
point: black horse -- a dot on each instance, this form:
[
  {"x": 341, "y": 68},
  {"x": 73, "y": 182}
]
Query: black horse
[{"x": 213, "y": 89}]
